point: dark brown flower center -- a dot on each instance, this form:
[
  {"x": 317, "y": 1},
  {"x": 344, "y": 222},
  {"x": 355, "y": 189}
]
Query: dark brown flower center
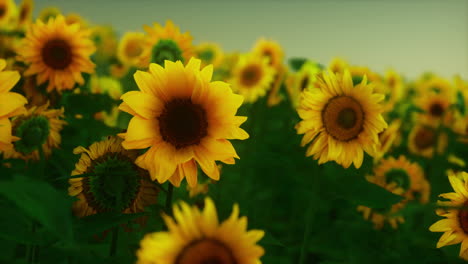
[
  {"x": 3, "y": 10},
  {"x": 57, "y": 54},
  {"x": 206, "y": 251},
  {"x": 133, "y": 49},
  {"x": 436, "y": 110},
  {"x": 24, "y": 12},
  {"x": 424, "y": 138},
  {"x": 183, "y": 123},
  {"x": 304, "y": 82},
  {"x": 343, "y": 118},
  {"x": 463, "y": 217},
  {"x": 250, "y": 75}
]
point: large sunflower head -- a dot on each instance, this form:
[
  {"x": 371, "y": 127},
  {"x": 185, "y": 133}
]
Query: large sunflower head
[
  {"x": 209, "y": 53},
  {"x": 184, "y": 119},
  {"x": 406, "y": 175},
  {"x": 301, "y": 81},
  {"x": 341, "y": 120},
  {"x": 252, "y": 77},
  {"x": 424, "y": 140},
  {"x": 271, "y": 50},
  {"x": 166, "y": 43},
  {"x": 455, "y": 223},
  {"x": 38, "y": 130},
  {"x": 113, "y": 183},
  {"x": 12, "y": 104},
  {"x": 197, "y": 237},
  {"x": 130, "y": 49},
  {"x": 58, "y": 53}
]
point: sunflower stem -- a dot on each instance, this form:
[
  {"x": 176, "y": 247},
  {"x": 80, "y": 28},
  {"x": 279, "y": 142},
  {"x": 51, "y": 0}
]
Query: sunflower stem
[
  {"x": 170, "y": 189},
  {"x": 114, "y": 239}
]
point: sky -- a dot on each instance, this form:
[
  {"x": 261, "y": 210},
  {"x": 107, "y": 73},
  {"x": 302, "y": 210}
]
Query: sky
[{"x": 412, "y": 36}]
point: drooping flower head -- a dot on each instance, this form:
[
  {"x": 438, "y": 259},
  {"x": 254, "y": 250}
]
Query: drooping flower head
[
  {"x": 197, "y": 237},
  {"x": 113, "y": 183},
  {"x": 184, "y": 119},
  {"x": 341, "y": 120},
  {"x": 57, "y": 53},
  {"x": 25, "y": 13}
]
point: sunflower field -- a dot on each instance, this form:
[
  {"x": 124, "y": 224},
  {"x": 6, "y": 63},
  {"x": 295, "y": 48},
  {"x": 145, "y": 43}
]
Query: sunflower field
[{"x": 149, "y": 147}]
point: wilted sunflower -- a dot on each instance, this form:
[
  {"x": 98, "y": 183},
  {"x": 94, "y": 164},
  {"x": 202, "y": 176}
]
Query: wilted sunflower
[
  {"x": 252, "y": 77},
  {"x": 184, "y": 119},
  {"x": 12, "y": 104},
  {"x": 166, "y": 43},
  {"x": 209, "y": 53},
  {"x": 455, "y": 224},
  {"x": 196, "y": 237},
  {"x": 424, "y": 140},
  {"x": 407, "y": 175},
  {"x": 57, "y": 53},
  {"x": 341, "y": 120},
  {"x": 130, "y": 49},
  {"x": 113, "y": 183},
  {"x": 303, "y": 80},
  {"x": 25, "y": 13},
  {"x": 38, "y": 130}
]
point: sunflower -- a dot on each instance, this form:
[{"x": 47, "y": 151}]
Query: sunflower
[
  {"x": 380, "y": 216},
  {"x": 12, "y": 104},
  {"x": 388, "y": 138},
  {"x": 271, "y": 50},
  {"x": 209, "y": 53},
  {"x": 405, "y": 174},
  {"x": 58, "y": 53},
  {"x": 395, "y": 85},
  {"x": 74, "y": 18},
  {"x": 455, "y": 224},
  {"x": 423, "y": 139},
  {"x": 303, "y": 80},
  {"x": 7, "y": 13},
  {"x": 434, "y": 84},
  {"x": 274, "y": 97},
  {"x": 185, "y": 119},
  {"x": 39, "y": 131},
  {"x": 48, "y": 13},
  {"x": 25, "y": 13},
  {"x": 342, "y": 120},
  {"x": 130, "y": 49},
  {"x": 105, "y": 39},
  {"x": 113, "y": 181},
  {"x": 358, "y": 73},
  {"x": 224, "y": 71},
  {"x": 338, "y": 65},
  {"x": 196, "y": 237},
  {"x": 111, "y": 86},
  {"x": 166, "y": 43},
  {"x": 436, "y": 107},
  {"x": 252, "y": 77}
]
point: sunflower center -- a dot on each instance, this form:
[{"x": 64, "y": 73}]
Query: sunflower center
[
  {"x": 463, "y": 217},
  {"x": 113, "y": 183},
  {"x": 57, "y": 54},
  {"x": 304, "y": 82},
  {"x": 33, "y": 133},
  {"x": 206, "y": 251},
  {"x": 166, "y": 49},
  {"x": 133, "y": 49},
  {"x": 436, "y": 110},
  {"x": 23, "y": 13},
  {"x": 343, "y": 118},
  {"x": 250, "y": 75},
  {"x": 398, "y": 176},
  {"x": 424, "y": 138},
  {"x": 207, "y": 55},
  {"x": 183, "y": 123}
]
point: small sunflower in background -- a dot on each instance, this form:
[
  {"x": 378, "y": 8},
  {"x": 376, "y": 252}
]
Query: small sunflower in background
[
  {"x": 395, "y": 88},
  {"x": 433, "y": 84},
  {"x": 209, "y": 53},
  {"x": 455, "y": 211},
  {"x": 130, "y": 49},
  {"x": 12, "y": 104},
  {"x": 38, "y": 130},
  {"x": 74, "y": 18},
  {"x": 166, "y": 43},
  {"x": 425, "y": 140},
  {"x": 197, "y": 237},
  {"x": 111, "y": 86},
  {"x": 388, "y": 138},
  {"x": 405, "y": 174},
  {"x": 7, "y": 14},
  {"x": 338, "y": 65},
  {"x": 25, "y": 13},
  {"x": 113, "y": 182},
  {"x": 302, "y": 80},
  {"x": 105, "y": 40},
  {"x": 184, "y": 119},
  {"x": 48, "y": 13},
  {"x": 341, "y": 119},
  {"x": 57, "y": 53},
  {"x": 436, "y": 108},
  {"x": 252, "y": 77},
  {"x": 385, "y": 215},
  {"x": 224, "y": 71}
]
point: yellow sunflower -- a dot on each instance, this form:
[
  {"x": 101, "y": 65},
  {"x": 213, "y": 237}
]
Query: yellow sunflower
[
  {"x": 12, "y": 104},
  {"x": 166, "y": 43},
  {"x": 196, "y": 237},
  {"x": 48, "y": 13},
  {"x": 423, "y": 140},
  {"x": 7, "y": 13},
  {"x": 455, "y": 223},
  {"x": 114, "y": 182},
  {"x": 252, "y": 77},
  {"x": 37, "y": 129},
  {"x": 25, "y": 13},
  {"x": 434, "y": 84},
  {"x": 436, "y": 107},
  {"x": 130, "y": 49},
  {"x": 184, "y": 119},
  {"x": 274, "y": 97},
  {"x": 358, "y": 73},
  {"x": 380, "y": 216},
  {"x": 105, "y": 39},
  {"x": 58, "y": 53},
  {"x": 303, "y": 80},
  {"x": 209, "y": 53},
  {"x": 407, "y": 175},
  {"x": 338, "y": 65},
  {"x": 74, "y": 18},
  {"x": 388, "y": 138},
  {"x": 224, "y": 71},
  {"x": 341, "y": 120},
  {"x": 271, "y": 50},
  {"x": 395, "y": 84}
]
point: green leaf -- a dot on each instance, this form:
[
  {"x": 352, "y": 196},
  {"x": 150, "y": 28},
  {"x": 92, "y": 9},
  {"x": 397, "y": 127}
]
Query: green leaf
[
  {"x": 97, "y": 223},
  {"x": 296, "y": 63},
  {"x": 460, "y": 102}
]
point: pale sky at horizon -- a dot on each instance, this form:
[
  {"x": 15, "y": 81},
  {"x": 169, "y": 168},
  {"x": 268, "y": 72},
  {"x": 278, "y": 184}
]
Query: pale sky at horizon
[{"x": 409, "y": 36}]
